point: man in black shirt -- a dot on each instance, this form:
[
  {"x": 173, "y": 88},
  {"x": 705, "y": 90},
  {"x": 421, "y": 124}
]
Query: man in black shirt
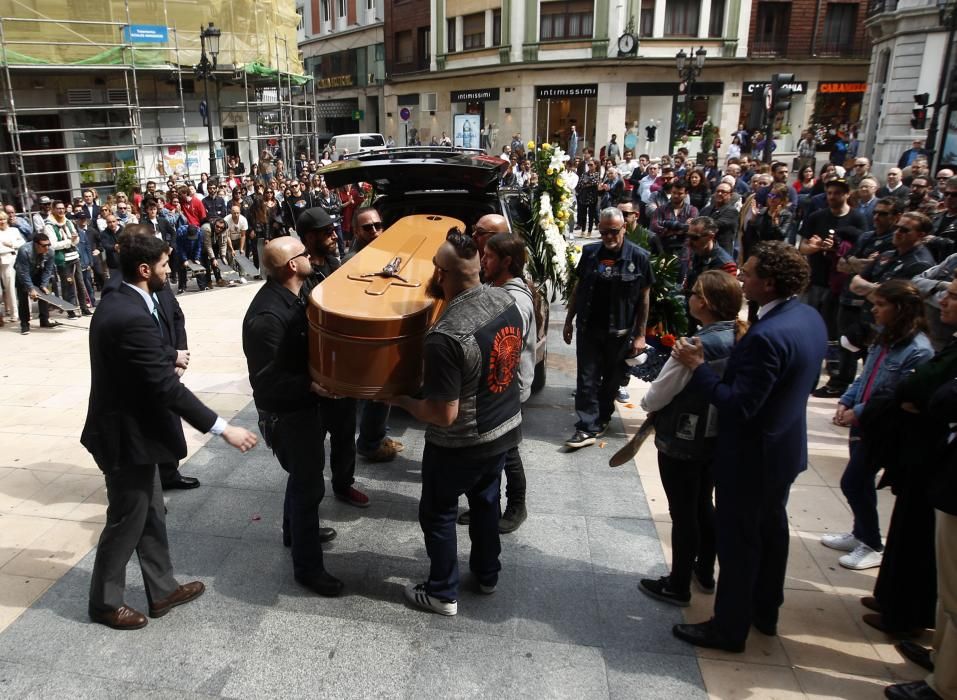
[
  {"x": 943, "y": 239},
  {"x": 721, "y": 210},
  {"x": 318, "y": 234},
  {"x": 908, "y": 259},
  {"x": 472, "y": 405},
  {"x": 294, "y": 205},
  {"x": 277, "y": 355},
  {"x": 823, "y": 234}
]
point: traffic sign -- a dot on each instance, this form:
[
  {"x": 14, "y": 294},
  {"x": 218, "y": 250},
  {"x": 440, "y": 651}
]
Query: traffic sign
[
  {"x": 405, "y": 114},
  {"x": 358, "y": 115}
]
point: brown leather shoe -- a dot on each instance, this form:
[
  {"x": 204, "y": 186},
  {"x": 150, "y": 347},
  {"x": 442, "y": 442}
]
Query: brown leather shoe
[
  {"x": 123, "y": 618},
  {"x": 183, "y": 594}
]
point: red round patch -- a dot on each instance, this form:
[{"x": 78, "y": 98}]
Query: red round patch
[{"x": 506, "y": 351}]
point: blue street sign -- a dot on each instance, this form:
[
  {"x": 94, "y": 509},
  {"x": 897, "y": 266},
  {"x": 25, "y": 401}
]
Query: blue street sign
[{"x": 146, "y": 34}]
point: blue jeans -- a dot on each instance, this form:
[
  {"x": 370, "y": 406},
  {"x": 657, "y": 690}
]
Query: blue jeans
[
  {"x": 446, "y": 475},
  {"x": 373, "y": 420},
  {"x": 857, "y": 485}
]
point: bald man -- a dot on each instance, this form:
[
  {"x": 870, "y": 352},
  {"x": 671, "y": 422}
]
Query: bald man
[
  {"x": 472, "y": 405},
  {"x": 277, "y": 355},
  {"x": 485, "y": 228}
]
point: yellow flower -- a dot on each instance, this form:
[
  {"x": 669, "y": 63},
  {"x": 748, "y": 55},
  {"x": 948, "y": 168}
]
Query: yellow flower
[
  {"x": 530, "y": 145},
  {"x": 546, "y": 146},
  {"x": 549, "y": 172}
]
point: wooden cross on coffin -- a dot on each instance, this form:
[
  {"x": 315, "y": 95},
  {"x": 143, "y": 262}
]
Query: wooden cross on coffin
[{"x": 391, "y": 274}]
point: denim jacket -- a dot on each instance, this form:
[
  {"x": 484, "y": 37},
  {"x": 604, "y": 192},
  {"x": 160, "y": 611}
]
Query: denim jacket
[
  {"x": 900, "y": 360},
  {"x": 634, "y": 275}
]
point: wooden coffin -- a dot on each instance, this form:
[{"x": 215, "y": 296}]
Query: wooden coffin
[{"x": 367, "y": 322}]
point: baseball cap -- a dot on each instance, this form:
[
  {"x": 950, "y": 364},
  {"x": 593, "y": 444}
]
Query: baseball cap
[
  {"x": 839, "y": 181},
  {"x": 45, "y": 200},
  {"x": 312, "y": 219}
]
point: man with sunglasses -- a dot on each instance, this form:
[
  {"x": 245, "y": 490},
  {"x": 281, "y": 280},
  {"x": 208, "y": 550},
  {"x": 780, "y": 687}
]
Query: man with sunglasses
[
  {"x": 943, "y": 239},
  {"x": 908, "y": 259},
  {"x": 34, "y": 269},
  {"x": 373, "y": 443},
  {"x": 943, "y": 175},
  {"x": 317, "y": 231},
  {"x": 611, "y": 304},
  {"x": 275, "y": 342}
]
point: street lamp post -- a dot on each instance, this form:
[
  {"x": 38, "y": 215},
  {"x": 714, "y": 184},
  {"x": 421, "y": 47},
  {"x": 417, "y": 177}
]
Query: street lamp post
[
  {"x": 208, "y": 41},
  {"x": 689, "y": 68}
]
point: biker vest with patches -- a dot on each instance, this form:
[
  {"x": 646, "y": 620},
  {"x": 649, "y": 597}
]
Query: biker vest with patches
[{"x": 487, "y": 325}]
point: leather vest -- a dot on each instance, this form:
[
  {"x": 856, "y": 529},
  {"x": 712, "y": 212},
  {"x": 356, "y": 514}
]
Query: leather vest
[{"x": 487, "y": 325}]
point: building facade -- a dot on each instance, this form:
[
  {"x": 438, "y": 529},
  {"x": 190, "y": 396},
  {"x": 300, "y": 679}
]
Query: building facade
[
  {"x": 342, "y": 48},
  {"x": 506, "y": 67},
  {"x": 912, "y": 40}
]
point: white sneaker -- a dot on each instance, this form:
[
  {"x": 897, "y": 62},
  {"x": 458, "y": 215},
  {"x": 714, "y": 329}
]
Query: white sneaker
[
  {"x": 863, "y": 557},
  {"x": 845, "y": 542},
  {"x": 417, "y": 595}
]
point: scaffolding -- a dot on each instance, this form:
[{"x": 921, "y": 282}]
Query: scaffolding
[{"x": 105, "y": 49}]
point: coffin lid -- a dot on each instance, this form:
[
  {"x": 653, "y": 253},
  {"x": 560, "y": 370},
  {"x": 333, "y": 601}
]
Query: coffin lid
[{"x": 398, "y": 170}]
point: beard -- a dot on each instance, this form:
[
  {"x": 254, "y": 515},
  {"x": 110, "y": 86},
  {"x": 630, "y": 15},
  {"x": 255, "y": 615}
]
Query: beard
[
  {"x": 434, "y": 290},
  {"x": 155, "y": 282}
]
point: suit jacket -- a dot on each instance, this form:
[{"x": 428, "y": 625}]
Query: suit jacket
[
  {"x": 136, "y": 399},
  {"x": 171, "y": 314},
  {"x": 762, "y": 398}
]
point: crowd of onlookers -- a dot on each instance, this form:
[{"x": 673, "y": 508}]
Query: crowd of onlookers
[
  {"x": 69, "y": 248},
  {"x": 882, "y": 253}
]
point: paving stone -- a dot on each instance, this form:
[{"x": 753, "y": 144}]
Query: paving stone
[{"x": 650, "y": 676}]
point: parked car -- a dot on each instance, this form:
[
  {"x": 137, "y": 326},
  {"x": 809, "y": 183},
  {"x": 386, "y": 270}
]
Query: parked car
[{"x": 446, "y": 182}]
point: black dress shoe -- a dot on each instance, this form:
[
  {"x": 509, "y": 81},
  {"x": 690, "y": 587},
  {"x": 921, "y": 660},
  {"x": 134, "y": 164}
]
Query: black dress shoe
[
  {"x": 765, "y": 627},
  {"x": 913, "y": 690},
  {"x": 323, "y": 583},
  {"x": 876, "y": 621},
  {"x": 705, "y": 634},
  {"x": 912, "y": 651},
  {"x": 326, "y": 534},
  {"x": 181, "y": 482},
  {"x": 870, "y": 602}
]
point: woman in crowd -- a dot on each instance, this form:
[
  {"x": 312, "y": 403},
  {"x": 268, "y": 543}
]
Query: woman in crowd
[
  {"x": 734, "y": 148},
  {"x": 10, "y": 242},
  {"x": 588, "y": 198},
  {"x": 826, "y": 173},
  {"x": 905, "y": 594},
  {"x": 685, "y": 432},
  {"x": 698, "y": 191},
  {"x": 901, "y": 345},
  {"x": 805, "y": 180},
  {"x": 772, "y": 223},
  {"x": 203, "y": 186}
]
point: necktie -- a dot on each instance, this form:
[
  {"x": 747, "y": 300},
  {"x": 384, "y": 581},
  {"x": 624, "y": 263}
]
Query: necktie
[{"x": 155, "y": 311}]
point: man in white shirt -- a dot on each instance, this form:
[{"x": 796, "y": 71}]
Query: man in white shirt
[
  {"x": 571, "y": 179},
  {"x": 236, "y": 228}
]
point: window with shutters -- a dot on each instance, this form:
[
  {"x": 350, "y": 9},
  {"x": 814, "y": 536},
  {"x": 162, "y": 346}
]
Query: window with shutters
[
  {"x": 404, "y": 48},
  {"x": 716, "y": 26},
  {"x": 496, "y": 27},
  {"x": 473, "y": 31},
  {"x": 450, "y": 33},
  {"x": 840, "y": 26},
  {"x": 647, "y": 18}
]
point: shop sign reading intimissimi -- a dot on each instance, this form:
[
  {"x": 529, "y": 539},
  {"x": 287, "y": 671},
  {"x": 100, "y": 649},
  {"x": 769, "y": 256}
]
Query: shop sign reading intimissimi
[
  {"x": 478, "y": 95},
  {"x": 545, "y": 92}
]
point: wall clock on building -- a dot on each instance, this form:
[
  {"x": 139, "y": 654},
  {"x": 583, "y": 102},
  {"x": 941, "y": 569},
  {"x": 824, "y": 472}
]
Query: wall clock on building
[{"x": 627, "y": 44}]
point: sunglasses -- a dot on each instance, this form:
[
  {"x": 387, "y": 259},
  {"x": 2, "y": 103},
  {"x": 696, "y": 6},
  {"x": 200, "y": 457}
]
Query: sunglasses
[
  {"x": 903, "y": 229},
  {"x": 609, "y": 231},
  {"x": 374, "y": 226},
  {"x": 303, "y": 254},
  {"x": 696, "y": 236}
]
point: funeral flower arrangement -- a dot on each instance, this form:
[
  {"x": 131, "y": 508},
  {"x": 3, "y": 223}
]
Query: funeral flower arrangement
[{"x": 548, "y": 255}]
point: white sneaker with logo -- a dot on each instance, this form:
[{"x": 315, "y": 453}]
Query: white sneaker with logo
[
  {"x": 845, "y": 542},
  {"x": 863, "y": 557},
  {"x": 420, "y": 598}
]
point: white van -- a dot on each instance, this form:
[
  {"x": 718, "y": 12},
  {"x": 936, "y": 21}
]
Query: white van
[{"x": 356, "y": 143}]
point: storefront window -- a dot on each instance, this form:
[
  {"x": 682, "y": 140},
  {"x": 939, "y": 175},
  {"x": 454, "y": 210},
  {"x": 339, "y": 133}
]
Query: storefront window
[
  {"x": 560, "y": 107},
  {"x": 837, "y": 108}
]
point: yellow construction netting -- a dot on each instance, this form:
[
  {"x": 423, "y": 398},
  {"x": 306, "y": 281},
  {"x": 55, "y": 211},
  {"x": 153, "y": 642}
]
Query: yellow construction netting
[{"x": 253, "y": 31}]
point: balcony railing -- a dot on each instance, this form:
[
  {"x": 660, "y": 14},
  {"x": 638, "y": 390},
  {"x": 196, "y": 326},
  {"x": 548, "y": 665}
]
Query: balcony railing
[{"x": 782, "y": 48}]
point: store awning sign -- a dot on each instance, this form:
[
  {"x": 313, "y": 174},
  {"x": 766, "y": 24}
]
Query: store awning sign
[
  {"x": 477, "y": 95},
  {"x": 841, "y": 88},
  {"x": 146, "y": 34},
  {"x": 797, "y": 88},
  {"x": 547, "y": 92}
]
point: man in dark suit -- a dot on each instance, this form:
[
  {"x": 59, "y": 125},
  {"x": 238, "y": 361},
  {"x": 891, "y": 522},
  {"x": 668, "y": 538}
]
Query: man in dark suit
[
  {"x": 132, "y": 424},
  {"x": 762, "y": 443},
  {"x": 90, "y": 206},
  {"x": 172, "y": 323}
]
